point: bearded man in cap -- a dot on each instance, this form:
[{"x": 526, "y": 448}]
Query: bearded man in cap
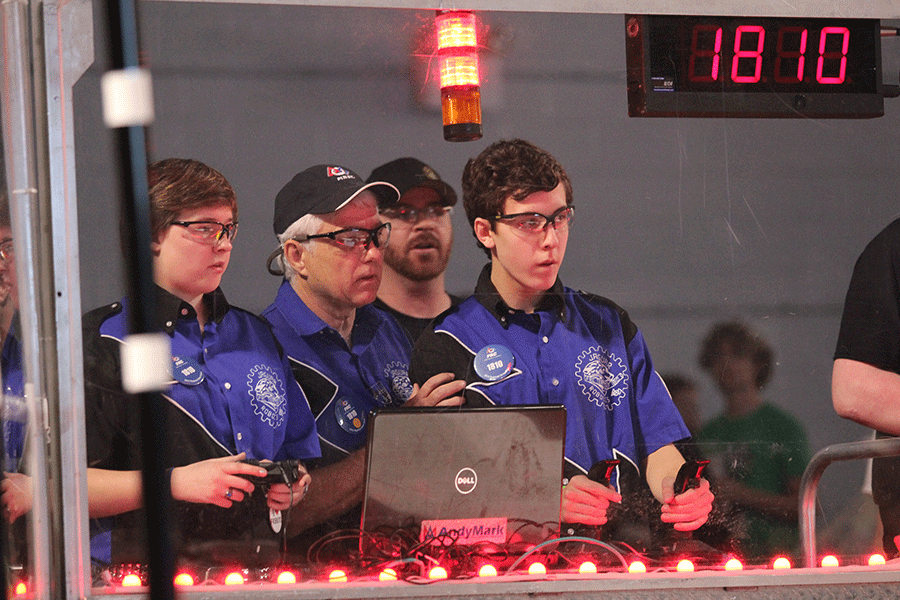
[
  {"x": 348, "y": 357},
  {"x": 412, "y": 288}
]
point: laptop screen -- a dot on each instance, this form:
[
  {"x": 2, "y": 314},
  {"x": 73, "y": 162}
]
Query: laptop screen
[{"x": 464, "y": 476}]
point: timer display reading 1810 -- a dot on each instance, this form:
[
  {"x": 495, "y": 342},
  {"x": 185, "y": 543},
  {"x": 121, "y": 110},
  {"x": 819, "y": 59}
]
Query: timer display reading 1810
[{"x": 746, "y": 66}]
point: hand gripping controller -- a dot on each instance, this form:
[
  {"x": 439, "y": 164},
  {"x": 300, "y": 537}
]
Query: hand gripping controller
[{"x": 284, "y": 471}]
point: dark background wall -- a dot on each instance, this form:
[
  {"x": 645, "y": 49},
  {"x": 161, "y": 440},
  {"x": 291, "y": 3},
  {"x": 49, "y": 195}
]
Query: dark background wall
[{"x": 682, "y": 221}]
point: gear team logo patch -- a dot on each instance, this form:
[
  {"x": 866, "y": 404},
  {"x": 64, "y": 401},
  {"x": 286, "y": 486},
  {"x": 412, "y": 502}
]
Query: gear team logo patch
[
  {"x": 267, "y": 395},
  {"x": 398, "y": 374},
  {"x": 602, "y": 377}
]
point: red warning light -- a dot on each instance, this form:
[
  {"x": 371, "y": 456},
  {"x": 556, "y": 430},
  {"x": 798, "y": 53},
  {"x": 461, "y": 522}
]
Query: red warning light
[
  {"x": 234, "y": 578},
  {"x": 286, "y": 577},
  {"x": 734, "y": 564},
  {"x": 437, "y": 573},
  {"x": 537, "y": 568},
  {"x": 830, "y": 560},
  {"x": 877, "y": 559},
  {"x": 131, "y": 580},
  {"x": 637, "y": 567},
  {"x": 457, "y": 48},
  {"x": 781, "y": 563},
  {"x": 21, "y": 588},
  {"x": 337, "y": 576},
  {"x": 684, "y": 566},
  {"x": 184, "y": 579},
  {"x": 587, "y": 567}
]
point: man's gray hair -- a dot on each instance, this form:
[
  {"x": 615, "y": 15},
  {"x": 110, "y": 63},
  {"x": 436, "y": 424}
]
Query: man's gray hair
[{"x": 308, "y": 224}]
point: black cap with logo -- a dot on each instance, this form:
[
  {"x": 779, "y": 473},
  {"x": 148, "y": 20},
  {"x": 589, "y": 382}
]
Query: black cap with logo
[
  {"x": 407, "y": 173},
  {"x": 324, "y": 189}
]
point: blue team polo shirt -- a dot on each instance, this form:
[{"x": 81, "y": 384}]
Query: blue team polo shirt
[
  {"x": 15, "y": 413},
  {"x": 343, "y": 384},
  {"x": 233, "y": 381},
  {"x": 576, "y": 349}
]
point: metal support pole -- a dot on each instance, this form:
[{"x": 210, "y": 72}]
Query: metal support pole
[
  {"x": 21, "y": 148},
  {"x": 132, "y": 162}
]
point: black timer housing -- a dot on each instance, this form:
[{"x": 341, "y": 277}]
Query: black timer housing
[{"x": 717, "y": 66}]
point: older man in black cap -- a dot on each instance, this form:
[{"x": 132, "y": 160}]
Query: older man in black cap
[
  {"x": 412, "y": 289},
  {"x": 347, "y": 356}
]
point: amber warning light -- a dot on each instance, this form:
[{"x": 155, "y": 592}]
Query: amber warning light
[{"x": 457, "y": 49}]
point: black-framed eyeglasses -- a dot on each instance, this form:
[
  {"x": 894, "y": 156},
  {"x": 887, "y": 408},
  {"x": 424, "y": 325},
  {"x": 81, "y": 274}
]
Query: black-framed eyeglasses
[
  {"x": 6, "y": 250},
  {"x": 536, "y": 222},
  {"x": 356, "y": 237},
  {"x": 209, "y": 231},
  {"x": 411, "y": 215}
]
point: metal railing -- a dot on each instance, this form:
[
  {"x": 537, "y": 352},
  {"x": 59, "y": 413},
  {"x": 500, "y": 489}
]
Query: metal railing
[{"x": 813, "y": 473}]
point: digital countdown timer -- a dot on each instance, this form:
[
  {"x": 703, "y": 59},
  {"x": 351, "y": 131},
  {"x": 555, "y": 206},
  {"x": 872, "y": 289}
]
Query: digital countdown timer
[{"x": 690, "y": 66}]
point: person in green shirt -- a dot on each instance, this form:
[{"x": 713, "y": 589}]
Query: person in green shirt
[{"x": 758, "y": 450}]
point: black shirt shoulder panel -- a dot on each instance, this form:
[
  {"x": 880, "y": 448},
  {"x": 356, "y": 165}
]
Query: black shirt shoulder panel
[{"x": 629, "y": 329}]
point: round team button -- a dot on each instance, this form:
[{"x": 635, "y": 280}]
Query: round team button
[{"x": 494, "y": 362}]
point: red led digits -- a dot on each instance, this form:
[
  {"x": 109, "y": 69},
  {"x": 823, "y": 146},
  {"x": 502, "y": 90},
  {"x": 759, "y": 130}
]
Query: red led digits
[
  {"x": 827, "y": 53},
  {"x": 749, "y": 54},
  {"x": 743, "y": 55},
  {"x": 708, "y": 58},
  {"x": 786, "y": 57}
]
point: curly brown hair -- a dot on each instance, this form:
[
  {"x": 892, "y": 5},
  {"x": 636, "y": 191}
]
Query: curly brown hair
[
  {"x": 508, "y": 169},
  {"x": 180, "y": 184},
  {"x": 745, "y": 342}
]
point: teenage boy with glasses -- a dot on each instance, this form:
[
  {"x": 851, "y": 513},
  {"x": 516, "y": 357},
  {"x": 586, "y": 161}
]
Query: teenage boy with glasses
[
  {"x": 348, "y": 356},
  {"x": 412, "y": 287},
  {"x": 523, "y": 338},
  {"x": 232, "y": 395}
]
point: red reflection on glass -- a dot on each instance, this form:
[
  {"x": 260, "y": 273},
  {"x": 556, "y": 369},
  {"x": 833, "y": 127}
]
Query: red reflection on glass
[
  {"x": 835, "y": 69},
  {"x": 742, "y": 55}
]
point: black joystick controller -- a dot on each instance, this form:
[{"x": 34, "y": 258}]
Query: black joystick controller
[
  {"x": 601, "y": 472},
  {"x": 284, "y": 471},
  {"x": 689, "y": 475}
]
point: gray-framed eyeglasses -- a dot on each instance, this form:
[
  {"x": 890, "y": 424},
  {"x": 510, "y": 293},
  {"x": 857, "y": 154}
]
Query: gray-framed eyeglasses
[
  {"x": 353, "y": 238},
  {"x": 412, "y": 215},
  {"x": 536, "y": 222},
  {"x": 6, "y": 250},
  {"x": 209, "y": 231}
]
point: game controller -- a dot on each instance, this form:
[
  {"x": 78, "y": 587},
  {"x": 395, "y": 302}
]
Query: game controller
[
  {"x": 602, "y": 471},
  {"x": 689, "y": 475},
  {"x": 284, "y": 471}
]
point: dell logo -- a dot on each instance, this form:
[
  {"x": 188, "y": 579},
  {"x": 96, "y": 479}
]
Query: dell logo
[{"x": 465, "y": 480}]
